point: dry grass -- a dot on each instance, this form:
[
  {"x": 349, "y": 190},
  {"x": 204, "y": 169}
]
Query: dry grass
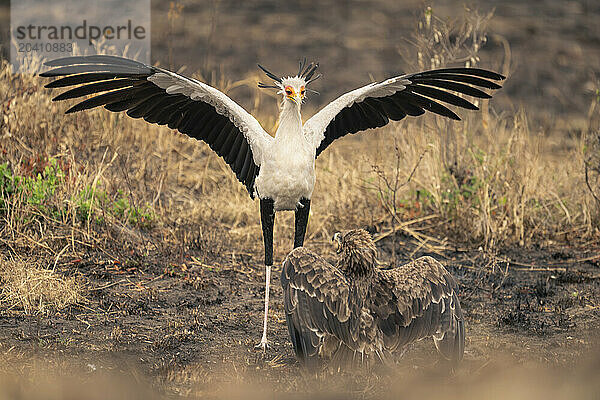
[
  {"x": 488, "y": 181},
  {"x": 34, "y": 289}
]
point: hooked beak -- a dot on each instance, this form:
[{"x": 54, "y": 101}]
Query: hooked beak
[
  {"x": 337, "y": 238},
  {"x": 295, "y": 99}
]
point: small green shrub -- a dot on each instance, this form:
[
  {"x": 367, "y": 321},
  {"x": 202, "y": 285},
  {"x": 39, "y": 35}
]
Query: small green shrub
[
  {"x": 42, "y": 187},
  {"x": 6, "y": 184},
  {"x": 87, "y": 200},
  {"x": 138, "y": 216},
  {"x": 37, "y": 191},
  {"x": 142, "y": 217},
  {"x": 34, "y": 190},
  {"x": 121, "y": 205},
  {"x": 459, "y": 194}
]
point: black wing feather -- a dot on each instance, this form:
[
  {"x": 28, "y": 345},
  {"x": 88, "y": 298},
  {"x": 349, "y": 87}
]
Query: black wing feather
[
  {"x": 131, "y": 104},
  {"x": 234, "y": 143},
  {"x": 484, "y": 73},
  {"x": 95, "y": 59},
  {"x": 80, "y": 69},
  {"x": 241, "y": 157},
  {"x": 100, "y": 100},
  {"x": 95, "y": 88},
  {"x": 428, "y": 104},
  {"x": 455, "y": 86},
  {"x": 443, "y": 96},
  {"x": 423, "y": 93},
  {"x": 120, "y": 84},
  {"x": 86, "y": 78},
  {"x": 408, "y": 107},
  {"x": 473, "y": 80}
]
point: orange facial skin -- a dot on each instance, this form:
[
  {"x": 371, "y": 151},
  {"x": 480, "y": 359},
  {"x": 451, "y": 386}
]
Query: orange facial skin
[{"x": 291, "y": 93}]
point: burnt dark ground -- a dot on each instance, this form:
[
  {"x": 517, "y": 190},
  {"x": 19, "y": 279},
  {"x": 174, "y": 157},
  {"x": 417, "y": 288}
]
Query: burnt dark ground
[{"x": 542, "y": 306}]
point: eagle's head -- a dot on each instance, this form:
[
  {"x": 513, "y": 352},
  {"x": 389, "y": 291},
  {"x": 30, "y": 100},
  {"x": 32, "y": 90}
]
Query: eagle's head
[
  {"x": 293, "y": 88},
  {"x": 358, "y": 254}
]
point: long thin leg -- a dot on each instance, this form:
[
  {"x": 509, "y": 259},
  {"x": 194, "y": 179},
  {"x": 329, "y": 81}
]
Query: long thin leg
[
  {"x": 267, "y": 219},
  {"x": 301, "y": 222}
]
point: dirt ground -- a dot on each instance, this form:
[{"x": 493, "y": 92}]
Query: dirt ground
[{"x": 526, "y": 305}]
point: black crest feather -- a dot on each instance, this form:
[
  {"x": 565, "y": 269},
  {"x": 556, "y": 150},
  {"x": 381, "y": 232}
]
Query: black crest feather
[
  {"x": 310, "y": 70},
  {"x": 265, "y": 86},
  {"x": 302, "y": 64},
  {"x": 305, "y": 72},
  {"x": 270, "y": 74}
]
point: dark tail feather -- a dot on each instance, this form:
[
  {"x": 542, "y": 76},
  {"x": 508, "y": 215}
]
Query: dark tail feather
[
  {"x": 305, "y": 350},
  {"x": 452, "y": 344},
  {"x": 304, "y": 341},
  {"x": 344, "y": 359}
]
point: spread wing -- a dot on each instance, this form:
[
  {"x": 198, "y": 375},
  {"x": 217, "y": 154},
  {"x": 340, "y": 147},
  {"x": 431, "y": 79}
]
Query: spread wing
[
  {"x": 419, "y": 300},
  {"x": 165, "y": 98},
  {"x": 317, "y": 302},
  {"x": 374, "y": 105}
]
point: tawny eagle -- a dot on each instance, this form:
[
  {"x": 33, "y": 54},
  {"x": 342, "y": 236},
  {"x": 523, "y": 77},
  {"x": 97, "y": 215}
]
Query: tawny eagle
[{"x": 353, "y": 312}]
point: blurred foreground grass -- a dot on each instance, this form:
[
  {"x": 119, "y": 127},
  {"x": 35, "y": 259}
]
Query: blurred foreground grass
[{"x": 500, "y": 379}]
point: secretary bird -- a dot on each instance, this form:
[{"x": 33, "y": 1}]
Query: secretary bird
[
  {"x": 354, "y": 313},
  {"x": 279, "y": 170}
]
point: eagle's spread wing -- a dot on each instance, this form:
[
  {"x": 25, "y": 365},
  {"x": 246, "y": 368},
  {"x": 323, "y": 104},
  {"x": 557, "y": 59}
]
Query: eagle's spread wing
[
  {"x": 373, "y": 105},
  {"x": 419, "y": 300},
  {"x": 316, "y": 301},
  {"x": 166, "y": 98}
]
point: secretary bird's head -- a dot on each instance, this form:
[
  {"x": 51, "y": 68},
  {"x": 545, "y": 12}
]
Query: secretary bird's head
[
  {"x": 358, "y": 254},
  {"x": 293, "y": 88}
]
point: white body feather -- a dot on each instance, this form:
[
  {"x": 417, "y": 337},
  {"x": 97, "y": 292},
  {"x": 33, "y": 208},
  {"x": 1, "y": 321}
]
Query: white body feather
[
  {"x": 287, "y": 166},
  {"x": 287, "y": 162}
]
